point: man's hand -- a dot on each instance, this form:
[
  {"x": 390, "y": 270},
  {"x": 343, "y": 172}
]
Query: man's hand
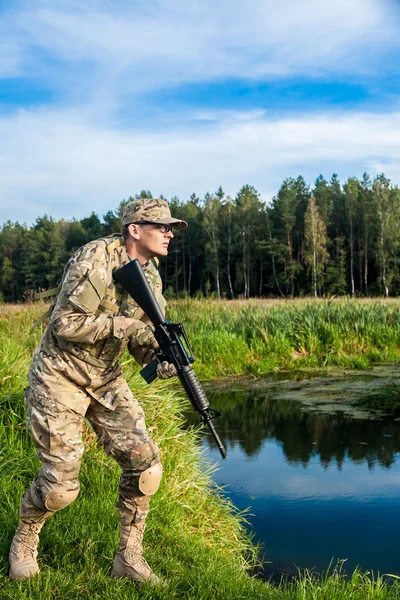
[
  {"x": 143, "y": 333},
  {"x": 165, "y": 370}
]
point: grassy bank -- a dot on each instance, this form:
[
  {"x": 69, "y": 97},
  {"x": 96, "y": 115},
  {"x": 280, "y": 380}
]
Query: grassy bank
[
  {"x": 194, "y": 539},
  {"x": 258, "y": 337}
]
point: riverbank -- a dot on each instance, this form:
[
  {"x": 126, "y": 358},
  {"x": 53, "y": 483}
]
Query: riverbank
[{"x": 195, "y": 539}]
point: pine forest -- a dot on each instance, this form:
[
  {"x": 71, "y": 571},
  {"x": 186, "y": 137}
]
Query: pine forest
[{"x": 325, "y": 240}]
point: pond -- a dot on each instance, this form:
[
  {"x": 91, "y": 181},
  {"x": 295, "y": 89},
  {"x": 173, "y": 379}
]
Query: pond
[{"x": 319, "y": 475}]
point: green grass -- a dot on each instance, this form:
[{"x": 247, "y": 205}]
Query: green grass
[
  {"x": 259, "y": 337},
  {"x": 195, "y": 539}
]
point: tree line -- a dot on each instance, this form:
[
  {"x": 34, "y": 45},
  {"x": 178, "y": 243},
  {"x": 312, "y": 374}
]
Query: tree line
[{"x": 323, "y": 240}]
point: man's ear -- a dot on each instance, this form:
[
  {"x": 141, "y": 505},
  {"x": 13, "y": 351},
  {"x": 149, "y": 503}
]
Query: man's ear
[{"x": 134, "y": 231}]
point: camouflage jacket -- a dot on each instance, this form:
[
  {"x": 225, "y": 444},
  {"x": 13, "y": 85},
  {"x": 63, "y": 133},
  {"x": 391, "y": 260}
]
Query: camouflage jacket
[{"x": 86, "y": 335}]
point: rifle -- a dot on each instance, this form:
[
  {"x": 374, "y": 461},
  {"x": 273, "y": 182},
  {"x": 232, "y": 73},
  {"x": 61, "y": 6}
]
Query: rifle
[{"x": 174, "y": 344}]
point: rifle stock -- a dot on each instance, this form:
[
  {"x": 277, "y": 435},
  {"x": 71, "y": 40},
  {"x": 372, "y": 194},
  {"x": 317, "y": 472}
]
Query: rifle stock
[{"x": 174, "y": 345}]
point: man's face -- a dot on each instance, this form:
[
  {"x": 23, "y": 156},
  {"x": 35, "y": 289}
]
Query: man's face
[{"x": 153, "y": 240}]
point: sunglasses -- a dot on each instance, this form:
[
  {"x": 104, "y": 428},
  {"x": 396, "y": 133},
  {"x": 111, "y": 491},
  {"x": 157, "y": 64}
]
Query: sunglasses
[{"x": 160, "y": 226}]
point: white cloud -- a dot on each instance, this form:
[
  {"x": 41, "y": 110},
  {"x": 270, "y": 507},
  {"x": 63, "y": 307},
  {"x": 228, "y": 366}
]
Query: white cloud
[
  {"x": 65, "y": 164},
  {"x": 102, "y": 54},
  {"x": 228, "y": 115},
  {"x": 145, "y": 46}
]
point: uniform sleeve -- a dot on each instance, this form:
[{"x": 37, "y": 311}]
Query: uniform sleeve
[{"x": 74, "y": 317}]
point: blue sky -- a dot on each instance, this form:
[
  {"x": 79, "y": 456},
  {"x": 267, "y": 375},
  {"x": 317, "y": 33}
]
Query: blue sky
[{"x": 101, "y": 98}]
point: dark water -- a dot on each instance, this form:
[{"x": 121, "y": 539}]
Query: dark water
[{"x": 320, "y": 478}]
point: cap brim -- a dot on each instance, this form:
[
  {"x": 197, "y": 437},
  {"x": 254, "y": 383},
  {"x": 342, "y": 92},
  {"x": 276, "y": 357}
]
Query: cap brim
[{"x": 170, "y": 221}]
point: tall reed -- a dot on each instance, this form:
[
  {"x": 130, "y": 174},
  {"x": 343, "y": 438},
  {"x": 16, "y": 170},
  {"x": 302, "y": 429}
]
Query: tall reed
[{"x": 231, "y": 338}]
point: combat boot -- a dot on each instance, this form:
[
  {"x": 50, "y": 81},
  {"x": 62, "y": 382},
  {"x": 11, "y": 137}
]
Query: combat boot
[
  {"x": 129, "y": 560},
  {"x": 23, "y": 551}
]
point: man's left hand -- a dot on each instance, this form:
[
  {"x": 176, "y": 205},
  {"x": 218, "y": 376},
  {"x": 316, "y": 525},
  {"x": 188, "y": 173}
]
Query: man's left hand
[{"x": 165, "y": 370}]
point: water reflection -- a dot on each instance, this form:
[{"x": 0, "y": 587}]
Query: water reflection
[
  {"x": 320, "y": 479},
  {"x": 249, "y": 418}
]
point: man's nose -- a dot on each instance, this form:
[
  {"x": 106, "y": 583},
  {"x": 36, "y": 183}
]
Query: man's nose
[{"x": 169, "y": 234}]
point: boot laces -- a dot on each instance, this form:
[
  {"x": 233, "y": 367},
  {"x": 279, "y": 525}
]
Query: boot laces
[
  {"x": 29, "y": 537},
  {"x": 137, "y": 560}
]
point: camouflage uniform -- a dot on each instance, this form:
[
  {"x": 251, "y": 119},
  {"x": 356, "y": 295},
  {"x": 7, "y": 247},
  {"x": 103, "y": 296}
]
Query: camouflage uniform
[{"x": 75, "y": 373}]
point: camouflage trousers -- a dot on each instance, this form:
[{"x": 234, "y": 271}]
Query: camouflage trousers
[{"x": 56, "y": 432}]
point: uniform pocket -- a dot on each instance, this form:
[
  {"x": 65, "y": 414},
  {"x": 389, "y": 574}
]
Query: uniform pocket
[
  {"x": 89, "y": 294},
  {"x": 38, "y": 426},
  {"x": 66, "y": 436}
]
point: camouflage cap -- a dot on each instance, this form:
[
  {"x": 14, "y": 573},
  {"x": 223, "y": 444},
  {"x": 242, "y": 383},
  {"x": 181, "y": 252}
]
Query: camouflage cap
[{"x": 151, "y": 210}]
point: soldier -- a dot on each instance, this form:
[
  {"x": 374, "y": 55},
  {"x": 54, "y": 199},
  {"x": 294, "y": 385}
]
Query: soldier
[{"x": 75, "y": 373}]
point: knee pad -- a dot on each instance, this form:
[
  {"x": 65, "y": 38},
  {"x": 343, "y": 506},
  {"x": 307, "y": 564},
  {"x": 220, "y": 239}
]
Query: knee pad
[
  {"x": 54, "y": 489},
  {"x": 150, "y": 479},
  {"x": 58, "y": 499}
]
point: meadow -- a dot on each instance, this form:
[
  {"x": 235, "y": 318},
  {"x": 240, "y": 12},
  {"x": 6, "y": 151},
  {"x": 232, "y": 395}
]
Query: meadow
[{"x": 195, "y": 539}]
